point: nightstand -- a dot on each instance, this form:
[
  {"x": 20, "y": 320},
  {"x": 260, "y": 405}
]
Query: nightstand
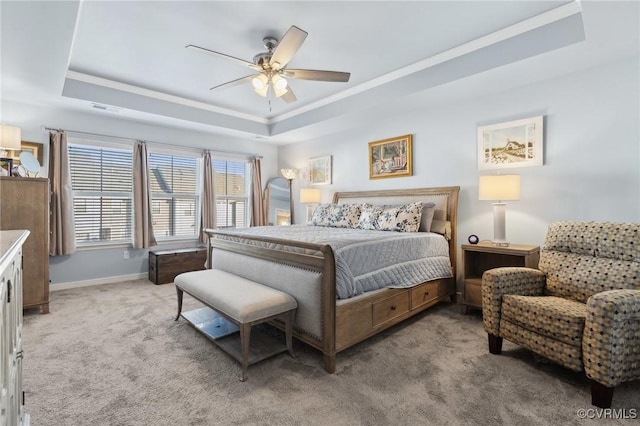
[{"x": 477, "y": 258}]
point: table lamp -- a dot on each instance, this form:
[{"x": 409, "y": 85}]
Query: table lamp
[
  {"x": 10, "y": 139},
  {"x": 310, "y": 197},
  {"x": 499, "y": 188}
]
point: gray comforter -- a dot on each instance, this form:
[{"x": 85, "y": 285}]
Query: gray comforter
[{"x": 369, "y": 260}]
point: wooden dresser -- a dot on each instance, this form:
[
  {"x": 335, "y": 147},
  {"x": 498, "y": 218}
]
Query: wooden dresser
[
  {"x": 11, "y": 355},
  {"x": 24, "y": 204}
]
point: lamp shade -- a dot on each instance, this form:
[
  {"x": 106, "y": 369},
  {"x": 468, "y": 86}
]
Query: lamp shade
[
  {"x": 499, "y": 187},
  {"x": 260, "y": 84},
  {"x": 289, "y": 173},
  {"x": 309, "y": 195},
  {"x": 10, "y": 137},
  {"x": 279, "y": 85}
]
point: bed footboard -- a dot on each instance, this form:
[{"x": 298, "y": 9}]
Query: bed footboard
[{"x": 304, "y": 270}]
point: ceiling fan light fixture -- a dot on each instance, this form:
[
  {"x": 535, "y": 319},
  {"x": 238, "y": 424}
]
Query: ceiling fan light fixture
[
  {"x": 279, "y": 85},
  {"x": 260, "y": 84},
  {"x": 270, "y": 68},
  {"x": 279, "y": 82},
  {"x": 262, "y": 92},
  {"x": 279, "y": 92}
]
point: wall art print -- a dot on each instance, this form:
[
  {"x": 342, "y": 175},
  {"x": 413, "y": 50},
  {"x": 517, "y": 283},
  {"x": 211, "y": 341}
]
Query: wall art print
[
  {"x": 390, "y": 157},
  {"x": 511, "y": 144}
]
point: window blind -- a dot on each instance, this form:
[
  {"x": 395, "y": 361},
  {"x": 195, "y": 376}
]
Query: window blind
[
  {"x": 174, "y": 195},
  {"x": 231, "y": 186},
  {"x": 101, "y": 179}
]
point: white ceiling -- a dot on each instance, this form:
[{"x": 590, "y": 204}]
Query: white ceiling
[{"x": 131, "y": 56}]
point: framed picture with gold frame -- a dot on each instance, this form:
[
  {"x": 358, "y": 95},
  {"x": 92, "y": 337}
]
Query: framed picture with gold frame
[
  {"x": 391, "y": 157},
  {"x": 36, "y": 149}
]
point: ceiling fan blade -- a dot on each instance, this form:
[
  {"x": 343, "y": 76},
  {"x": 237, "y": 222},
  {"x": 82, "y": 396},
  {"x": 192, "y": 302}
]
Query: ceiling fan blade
[
  {"x": 287, "y": 47},
  {"x": 233, "y": 58},
  {"x": 289, "y": 96},
  {"x": 234, "y": 83},
  {"x": 318, "y": 75}
]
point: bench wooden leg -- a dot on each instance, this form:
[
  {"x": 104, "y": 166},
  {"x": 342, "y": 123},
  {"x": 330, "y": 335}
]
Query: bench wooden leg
[
  {"x": 180, "y": 294},
  {"x": 245, "y": 337},
  {"x": 288, "y": 329}
]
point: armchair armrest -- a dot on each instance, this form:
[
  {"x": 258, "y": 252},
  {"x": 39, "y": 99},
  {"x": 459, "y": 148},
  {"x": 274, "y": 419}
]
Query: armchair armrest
[
  {"x": 500, "y": 281},
  {"x": 611, "y": 341}
]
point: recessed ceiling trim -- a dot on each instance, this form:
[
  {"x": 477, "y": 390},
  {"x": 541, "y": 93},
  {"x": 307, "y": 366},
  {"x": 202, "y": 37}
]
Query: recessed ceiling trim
[
  {"x": 103, "y": 82},
  {"x": 514, "y": 30}
]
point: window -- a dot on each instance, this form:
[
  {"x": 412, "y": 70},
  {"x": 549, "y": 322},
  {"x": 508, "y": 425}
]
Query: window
[
  {"x": 232, "y": 180},
  {"x": 174, "y": 195},
  {"x": 101, "y": 180}
]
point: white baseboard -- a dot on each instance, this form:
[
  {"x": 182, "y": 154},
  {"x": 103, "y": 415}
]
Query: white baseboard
[{"x": 97, "y": 281}]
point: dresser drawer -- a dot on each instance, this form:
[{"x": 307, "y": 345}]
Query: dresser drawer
[
  {"x": 423, "y": 294},
  {"x": 390, "y": 308}
]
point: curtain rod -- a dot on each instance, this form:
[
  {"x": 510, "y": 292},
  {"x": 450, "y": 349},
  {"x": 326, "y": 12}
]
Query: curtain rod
[{"x": 152, "y": 142}]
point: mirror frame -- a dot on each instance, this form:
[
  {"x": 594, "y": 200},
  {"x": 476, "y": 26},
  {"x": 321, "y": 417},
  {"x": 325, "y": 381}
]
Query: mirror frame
[{"x": 267, "y": 193}]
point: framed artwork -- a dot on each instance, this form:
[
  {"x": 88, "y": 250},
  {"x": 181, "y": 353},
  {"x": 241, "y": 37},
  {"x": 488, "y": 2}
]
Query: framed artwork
[
  {"x": 511, "y": 144},
  {"x": 320, "y": 170},
  {"x": 36, "y": 149},
  {"x": 390, "y": 157},
  {"x": 6, "y": 166}
]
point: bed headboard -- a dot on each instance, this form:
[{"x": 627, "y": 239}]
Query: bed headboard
[{"x": 445, "y": 199}]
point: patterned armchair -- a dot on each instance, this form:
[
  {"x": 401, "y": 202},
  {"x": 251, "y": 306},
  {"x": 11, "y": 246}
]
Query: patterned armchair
[{"x": 581, "y": 308}]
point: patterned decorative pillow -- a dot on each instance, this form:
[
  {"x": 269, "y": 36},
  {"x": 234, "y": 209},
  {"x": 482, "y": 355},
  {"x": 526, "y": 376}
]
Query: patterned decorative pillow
[
  {"x": 344, "y": 215},
  {"x": 369, "y": 217},
  {"x": 336, "y": 215},
  {"x": 404, "y": 218},
  {"x": 321, "y": 214}
]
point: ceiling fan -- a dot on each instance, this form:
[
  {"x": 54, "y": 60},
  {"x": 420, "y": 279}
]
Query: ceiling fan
[{"x": 271, "y": 67}]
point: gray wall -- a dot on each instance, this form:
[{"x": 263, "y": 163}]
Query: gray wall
[
  {"x": 592, "y": 153},
  {"x": 101, "y": 263},
  {"x": 591, "y": 171}
]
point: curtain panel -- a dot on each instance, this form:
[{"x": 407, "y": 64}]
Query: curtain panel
[
  {"x": 208, "y": 204},
  {"x": 62, "y": 238},
  {"x": 142, "y": 221},
  {"x": 258, "y": 214}
]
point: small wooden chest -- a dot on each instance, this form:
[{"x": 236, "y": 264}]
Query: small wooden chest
[{"x": 165, "y": 265}]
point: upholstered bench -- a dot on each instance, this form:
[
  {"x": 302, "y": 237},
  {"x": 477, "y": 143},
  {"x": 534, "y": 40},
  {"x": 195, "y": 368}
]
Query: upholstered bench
[{"x": 243, "y": 302}]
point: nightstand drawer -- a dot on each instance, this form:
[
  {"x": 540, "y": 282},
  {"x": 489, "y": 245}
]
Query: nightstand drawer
[
  {"x": 390, "y": 308},
  {"x": 423, "y": 294}
]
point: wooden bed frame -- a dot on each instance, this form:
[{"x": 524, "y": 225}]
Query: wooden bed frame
[{"x": 346, "y": 322}]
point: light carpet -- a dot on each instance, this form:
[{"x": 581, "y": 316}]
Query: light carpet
[{"x": 113, "y": 355}]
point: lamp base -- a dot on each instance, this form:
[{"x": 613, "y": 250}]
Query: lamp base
[
  {"x": 499, "y": 243},
  {"x": 499, "y": 233}
]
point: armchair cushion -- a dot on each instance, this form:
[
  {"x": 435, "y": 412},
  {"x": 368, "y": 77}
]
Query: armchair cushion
[
  {"x": 611, "y": 343},
  {"x": 585, "y": 258},
  {"x": 554, "y": 317},
  {"x": 500, "y": 281}
]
